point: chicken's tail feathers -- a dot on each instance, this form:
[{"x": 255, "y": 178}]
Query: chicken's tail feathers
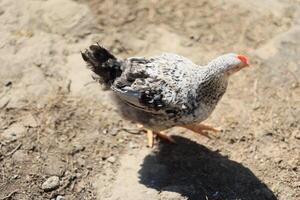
[{"x": 105, "y": 66}]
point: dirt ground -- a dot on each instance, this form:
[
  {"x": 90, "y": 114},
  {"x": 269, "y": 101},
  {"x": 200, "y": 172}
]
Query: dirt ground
[{"x": 56, "y": 122}]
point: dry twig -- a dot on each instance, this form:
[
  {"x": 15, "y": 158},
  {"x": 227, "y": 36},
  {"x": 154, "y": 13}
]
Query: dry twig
[
  {"x": 9, "y": 195},
  {"x": 14, "y": 150}
]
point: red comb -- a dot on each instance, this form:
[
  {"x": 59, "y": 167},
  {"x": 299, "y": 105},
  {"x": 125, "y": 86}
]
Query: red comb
[{"x": 243, "y": 58}]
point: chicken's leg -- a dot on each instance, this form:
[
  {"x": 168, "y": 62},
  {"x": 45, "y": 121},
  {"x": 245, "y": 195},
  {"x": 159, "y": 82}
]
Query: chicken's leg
[
  {"x": 150, "y": 138},
  {"x": 151, "y": 134},
  {"x": 199, "y": 128}
]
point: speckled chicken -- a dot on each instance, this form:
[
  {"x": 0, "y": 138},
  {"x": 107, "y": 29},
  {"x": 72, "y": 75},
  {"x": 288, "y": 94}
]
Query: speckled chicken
[{"x": 164, "y": 91}]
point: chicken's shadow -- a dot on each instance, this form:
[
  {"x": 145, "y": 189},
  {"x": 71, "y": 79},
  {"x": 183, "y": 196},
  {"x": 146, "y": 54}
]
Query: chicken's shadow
[{"x": 198, "y": 173}]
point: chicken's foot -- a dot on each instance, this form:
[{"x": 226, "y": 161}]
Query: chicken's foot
[{"x": 200, "y": 128}]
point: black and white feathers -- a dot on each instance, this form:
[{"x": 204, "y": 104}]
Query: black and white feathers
[{"x": 162, "y": 91}]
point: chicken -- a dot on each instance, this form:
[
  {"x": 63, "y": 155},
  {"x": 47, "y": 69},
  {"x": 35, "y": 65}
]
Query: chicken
[{"x": 164, "y": 91}]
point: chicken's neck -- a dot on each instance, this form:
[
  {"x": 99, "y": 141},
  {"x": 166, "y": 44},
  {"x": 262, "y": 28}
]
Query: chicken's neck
[
  {"x": 212, "y": 86},
  {"x": 216, "y": 70}
]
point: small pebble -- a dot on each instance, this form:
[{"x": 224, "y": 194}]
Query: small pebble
[
  {"x": 29, "y": 121},
  {"x": 81, "y": 162},
  {"x": 14, "y": 177},
  {"x": 277, "y": 160},
  {"x": 76, "y": 149},
  {"x": 296, "y": 134},
  {"x": 216, "y": 194},
  {"x": 171, "y": 195},
  {"x": 89, "y": 167},
  {"x": 59, "y": 197},
  {"x": 231, "y": 141},
  {"x": 295, "y": 85},
  {"x": 268, "y": 134},
  {"x": 51, "y": 183},
  {"x": 133, "y": 145},
  {"x": 256, "y": 106},
  {"x": 114, "y": 132},
  {"x": 9, "y": 83},
  {"x": 105, "y": 131},
  {"x": 111, "y": 159},
  {"x": 78, "y": 175}
]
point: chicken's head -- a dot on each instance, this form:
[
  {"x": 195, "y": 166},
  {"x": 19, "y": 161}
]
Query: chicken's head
[{"x": 229, "y": 63}]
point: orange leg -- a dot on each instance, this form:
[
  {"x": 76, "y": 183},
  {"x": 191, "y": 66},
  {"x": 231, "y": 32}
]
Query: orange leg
[
  {"x": 150, "y": 138},
  {"x": 200, "y": 128},
  {"x": 151, "y": 134}
]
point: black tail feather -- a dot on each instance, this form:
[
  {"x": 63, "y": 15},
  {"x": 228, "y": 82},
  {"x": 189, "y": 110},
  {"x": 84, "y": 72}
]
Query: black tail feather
[{"x": 102, "y": 63}]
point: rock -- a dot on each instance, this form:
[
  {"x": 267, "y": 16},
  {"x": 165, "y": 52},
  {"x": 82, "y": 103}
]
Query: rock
[
  {"x": 268, "y": 134},
  {"x": 78, "y": 175},
  {"x": 20, "y": 156},
  {"x": 14, "y": 132},
  {"x": 4, "y": 102},
  {"x": 51, "y": 183},
  {"x": 59, "y": 197},
  {"x": 293, "y": 163},
  {"x": 111, "y": 159},
  {"x": 8, "y": 84},
  {"x": 54, "y": 166},
  {"x": 81, "y": 162},
  {"x": 167, "y": 195},
  {"x": 296, "y": 134},
  {"x": 277, "y": 160},
  {"x": 15, "y": 176},
  {"x": 76, "y": 149},
  {"x": 114, "y": 132},
  {"x": 256, "y": 106},
  {"x": 29, "y": 121},
  {"x": 133, "y": 145}
]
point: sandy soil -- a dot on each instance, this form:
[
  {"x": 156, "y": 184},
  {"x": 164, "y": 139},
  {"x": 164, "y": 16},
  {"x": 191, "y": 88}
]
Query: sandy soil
[{"x": 55, "y": 121}]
